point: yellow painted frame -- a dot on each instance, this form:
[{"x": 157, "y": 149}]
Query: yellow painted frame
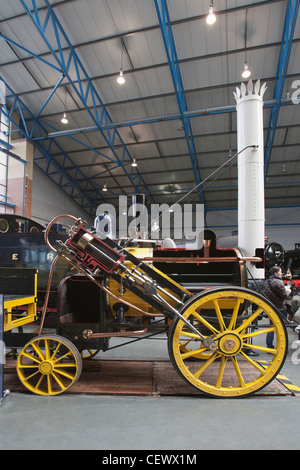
[{"x": 14, "y": 320}]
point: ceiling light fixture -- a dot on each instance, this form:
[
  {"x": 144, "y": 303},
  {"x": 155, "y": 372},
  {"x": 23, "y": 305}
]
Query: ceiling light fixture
[
  {"x": 64, "y": 119},
  {"x": 211, "y": 17},
  {"x": 134, "y": 163},
  {"x": 104, "y": 188},
  {"x": 121, "y": 79},
  {"x": 246, "y": 72},
  {"x": 180, "y": 126}
]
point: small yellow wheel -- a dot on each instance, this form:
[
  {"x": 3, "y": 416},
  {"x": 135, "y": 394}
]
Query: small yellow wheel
[
  {"x": 237, "y": 320},
  {"x": 49, "y": 365},
  {"x": 89, "y": 353}
]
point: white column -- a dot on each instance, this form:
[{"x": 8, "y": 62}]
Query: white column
[{"x": 251, "y": 199}]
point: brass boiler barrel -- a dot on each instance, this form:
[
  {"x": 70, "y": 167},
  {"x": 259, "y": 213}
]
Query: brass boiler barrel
[{"x": 125, "y": 294}]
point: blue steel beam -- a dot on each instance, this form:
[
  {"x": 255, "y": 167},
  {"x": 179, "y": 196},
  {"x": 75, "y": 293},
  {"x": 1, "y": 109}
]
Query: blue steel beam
[
  {"x": 88, "y": 197},
  {"x": 84, "y": 88},
  {"x": 45, "y": 103},
  {"x": 169, "y": 43},
  {"x": 284, "y": 56}
]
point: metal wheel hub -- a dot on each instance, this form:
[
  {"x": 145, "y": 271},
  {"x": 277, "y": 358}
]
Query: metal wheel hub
[
  {"x": 46, "y": 367},
  {"x": 230, "y": 343}
]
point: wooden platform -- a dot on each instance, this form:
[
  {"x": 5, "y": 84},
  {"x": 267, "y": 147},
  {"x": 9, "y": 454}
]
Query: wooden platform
[{"x": 131, "y": 377}]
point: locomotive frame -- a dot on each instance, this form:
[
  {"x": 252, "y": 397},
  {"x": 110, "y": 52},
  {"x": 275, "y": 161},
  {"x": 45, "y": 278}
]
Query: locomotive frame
[{"x": 208, "y": 334}]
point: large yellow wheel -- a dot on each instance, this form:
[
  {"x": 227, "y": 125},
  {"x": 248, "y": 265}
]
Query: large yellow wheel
[
  {"x": 49, "y": 365},
  {"x": 237, "y": 320}
]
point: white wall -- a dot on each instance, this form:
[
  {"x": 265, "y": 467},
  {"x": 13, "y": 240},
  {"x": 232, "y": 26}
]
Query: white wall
[
  {"x": 48, "y": 201},
  {"x": 282, "y": 224}
]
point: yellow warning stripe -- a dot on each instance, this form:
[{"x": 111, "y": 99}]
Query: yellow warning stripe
[{"x": 284, "y": 380}]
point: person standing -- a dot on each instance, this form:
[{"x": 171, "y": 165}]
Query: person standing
[{"x": 275, "y": 290}]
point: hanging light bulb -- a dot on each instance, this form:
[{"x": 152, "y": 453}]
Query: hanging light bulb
[
  {"x": 104, "y": 188},
  {"x": 211, "y": 17},
  {"x": 121, "y": 79},
  {"x": 246, "y": 72},
  {"x": 134, "y": 163},
  {"x": 180, "y": 126},
  {"x": 64, "y": 119}
]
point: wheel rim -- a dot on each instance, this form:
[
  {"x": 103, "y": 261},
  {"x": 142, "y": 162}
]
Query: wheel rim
[
  {"x": 49, "y": 365},
  {"x": 228, "y": 316}
]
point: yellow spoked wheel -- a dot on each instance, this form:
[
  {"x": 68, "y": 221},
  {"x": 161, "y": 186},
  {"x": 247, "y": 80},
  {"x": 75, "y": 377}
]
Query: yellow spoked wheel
[
  {"x": 49, "y": 365},
  {"x": 237, "y": 320}
]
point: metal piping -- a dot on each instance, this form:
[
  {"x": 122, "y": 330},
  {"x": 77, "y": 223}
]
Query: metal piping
[{"x": 163, "y": 117}]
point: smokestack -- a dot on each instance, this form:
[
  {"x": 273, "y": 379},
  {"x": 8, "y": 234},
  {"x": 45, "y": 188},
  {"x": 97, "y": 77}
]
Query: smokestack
[{"x": 251, "y": 199}]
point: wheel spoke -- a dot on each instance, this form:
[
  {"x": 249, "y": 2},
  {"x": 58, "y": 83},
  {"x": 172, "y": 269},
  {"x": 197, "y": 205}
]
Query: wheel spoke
[
  {"x": 205, "y": 323},
  {"x": 260, "y": 348},
  {"x": 219, "y": 315},
  {"x": 259, "y": 332},
  {"x": 234, "y": 314},
  {"x": 186, "y": 334},
  {"x": 206, "y": 365},
  {"x": 47, "y": 349},
  {"x": 29, "y": 377},
  {"x": 221, "y": 372},
  {"x": 28, "y": 366},
  {"x": 253, "y": 363},
  {"x": 192, "y": 353},
  {"x": 38, "y": 350},
  {"x": 238, "y": 371},
  {"x": 250, "y": 320},
  {"x": 64, "y": 373},
  {"x": 59, "y": 381},
  {"x": 37, "y": 387},
  {"x": 31, "y": 357},
  {"x": 56, "y": 351},
  {"x": 61, "y": 358}
]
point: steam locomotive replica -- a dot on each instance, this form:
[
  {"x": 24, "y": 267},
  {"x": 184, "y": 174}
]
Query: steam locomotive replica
[{"x": 198, "y": 298}]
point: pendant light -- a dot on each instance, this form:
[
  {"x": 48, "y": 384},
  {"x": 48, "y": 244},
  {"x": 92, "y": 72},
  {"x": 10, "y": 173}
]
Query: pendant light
[
  {"x": 246, "y": 72},
  {"x": 121, "y": 80},
  {"x": 64, "y": 119},
  {"x": 211, "y": 17}
]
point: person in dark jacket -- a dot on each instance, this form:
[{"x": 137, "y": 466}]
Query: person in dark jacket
[{"x": 274, "y": 289}]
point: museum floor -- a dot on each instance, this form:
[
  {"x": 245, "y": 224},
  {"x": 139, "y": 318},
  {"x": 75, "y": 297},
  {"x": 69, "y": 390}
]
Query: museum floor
[{"x": 120, "y": 422}]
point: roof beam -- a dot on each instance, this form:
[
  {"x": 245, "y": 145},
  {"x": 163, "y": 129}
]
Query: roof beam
[
  {"x": 84, "y": 88},
  {"x": 165, "y": 117},
  {"x": 170, "y": 49},
  {"x": 283, "y": 62},
  {"x": 55, "y": 171}
]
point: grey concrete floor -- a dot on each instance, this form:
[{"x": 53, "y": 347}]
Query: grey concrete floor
[{"x": 83, "y": 422}]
